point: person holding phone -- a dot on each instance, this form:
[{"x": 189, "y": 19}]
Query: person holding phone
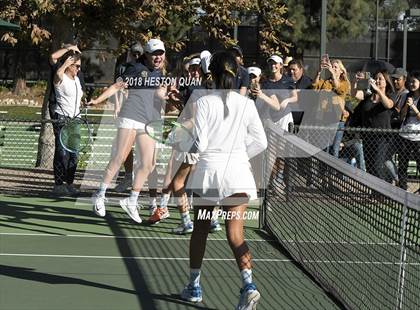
[
  {"x": 336, "y": 82},
  {"x": 410, "y": 135},
  {"x": 374, "y": 111}
]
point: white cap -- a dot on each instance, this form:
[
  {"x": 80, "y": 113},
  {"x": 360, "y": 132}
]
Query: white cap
[
  {"x": 277, "y": 59},
  {"x": 205, "y": 57},
  {"x": 194, "y": 61},
  {"x": 154, "y": 45},
  {"x": 254, "y": 70}
]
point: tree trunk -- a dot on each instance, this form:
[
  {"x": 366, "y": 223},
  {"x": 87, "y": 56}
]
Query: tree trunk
[
  {"x": 20, "y": 74},
  {"x": 46, "y": 144}
]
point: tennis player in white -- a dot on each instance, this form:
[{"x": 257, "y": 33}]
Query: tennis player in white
[{"x": 229, "y": 132}]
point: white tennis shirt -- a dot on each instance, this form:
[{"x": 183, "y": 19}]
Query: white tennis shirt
[
  {"x": 226, "y": 145},
  {"x": 68, "y": 95}
]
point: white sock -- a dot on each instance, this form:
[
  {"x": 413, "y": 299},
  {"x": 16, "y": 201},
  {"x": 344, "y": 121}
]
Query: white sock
[
  {"x": 152, "y": 201},
  {"x": 133, "y": 197},
  {"x": 102, "y": 189},
  {"x": 195, "y": 277},
  {"x": 185, "y": 217},
  {"x": 246, "y": 275},
  {"x": 164, "y": 200}
]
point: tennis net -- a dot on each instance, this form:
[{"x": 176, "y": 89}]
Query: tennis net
[{"x": 358, "y": 236}]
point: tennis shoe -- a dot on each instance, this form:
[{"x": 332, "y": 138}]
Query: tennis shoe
[
  {"x": 124, "y": 185},
  {"x": 215, "y": 226},
  {"x": 60, "y": 190},
  {"x": 192, "y": 293},
  {"x": 131, "y": 209},
  {"x": 73, "y": 191},
  {"x": 182, "y": 229},
  {"x": 98, "y": 202},
  {"x": 249, "y": 298},
  {"x": 158, "y": 215}
]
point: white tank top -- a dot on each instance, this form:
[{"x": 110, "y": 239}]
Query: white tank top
[{"x": 68, "y": 95}]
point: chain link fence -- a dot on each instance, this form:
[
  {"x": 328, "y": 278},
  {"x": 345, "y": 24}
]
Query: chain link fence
[
  {"x": 27, "y": 156},
  {"x": 384, "y": 153}
]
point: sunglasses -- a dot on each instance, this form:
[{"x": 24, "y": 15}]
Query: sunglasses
[{"x": 76, "y": 66}]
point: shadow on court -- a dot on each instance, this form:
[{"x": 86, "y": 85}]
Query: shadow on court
[{"x": 30, "y": 274}]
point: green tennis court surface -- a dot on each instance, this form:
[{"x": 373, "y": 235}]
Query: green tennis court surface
[{"x": 56, "y": 254}]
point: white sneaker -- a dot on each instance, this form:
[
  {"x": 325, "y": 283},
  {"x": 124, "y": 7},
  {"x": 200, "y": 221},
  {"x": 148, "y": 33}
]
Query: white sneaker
[
  {"x": 60, "y": 190},
  {"x": 249, "y": 298},
  {"x": 131, "y": 209},
  {"x": 182, "y": 229},
  {"x": 99, "y": 205},
  {"x": 124, "y": 185}
]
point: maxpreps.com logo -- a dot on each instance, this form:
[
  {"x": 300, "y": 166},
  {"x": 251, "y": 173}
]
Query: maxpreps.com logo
[{"x": 227, "y": 215}]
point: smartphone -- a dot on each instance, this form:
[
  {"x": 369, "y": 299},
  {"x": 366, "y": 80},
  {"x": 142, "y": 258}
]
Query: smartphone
[{"x": 325, "y": 59}]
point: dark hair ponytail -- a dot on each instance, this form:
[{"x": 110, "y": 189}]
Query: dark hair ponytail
[{"x": 223, "y": 68}]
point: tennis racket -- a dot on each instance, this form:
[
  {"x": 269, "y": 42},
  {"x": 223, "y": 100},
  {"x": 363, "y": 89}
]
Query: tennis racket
[
  {"x": 171, "y": 133},
  {"x": 76, "y": 134}
]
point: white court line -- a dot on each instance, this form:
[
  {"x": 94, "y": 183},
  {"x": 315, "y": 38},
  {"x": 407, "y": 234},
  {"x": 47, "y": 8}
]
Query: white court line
[
  {"x": 187, "y": 238},
  {"x": 122, "y": 237},
  {"x": 136, "y": 257},
  {"x": 206, "y": 259}
]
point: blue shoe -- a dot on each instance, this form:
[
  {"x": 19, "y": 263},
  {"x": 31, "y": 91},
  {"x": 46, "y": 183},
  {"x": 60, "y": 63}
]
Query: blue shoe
[
  {"x": 182, "y": 229},
  {"x": 249, "y": 298},
  {"x": 215, "y": 226},
  {"x": 192, "y": 293}
]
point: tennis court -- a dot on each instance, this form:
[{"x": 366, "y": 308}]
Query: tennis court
[
  {"x": 55, "y": 254},
  {"x": 358, "y": 243}
]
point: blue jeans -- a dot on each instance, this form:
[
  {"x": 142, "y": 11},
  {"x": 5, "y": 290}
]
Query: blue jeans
[
  {"x": 334, "y": 149},
  {"x": 65, "y": 163},
  {"x": 355, "y": 150}
]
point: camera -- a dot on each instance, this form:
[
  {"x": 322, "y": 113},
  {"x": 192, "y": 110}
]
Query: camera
[{"x": 364, "y": 84}]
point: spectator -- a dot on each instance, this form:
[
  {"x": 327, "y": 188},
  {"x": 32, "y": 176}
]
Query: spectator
[
  {"x": 410, "y": 141},
  {"x": 399, "y": 78},
  {"x": 374, "y": 112},
  {"x": 53, "y": 62},
  {"x": 338, "y": 83},
  {"x": 302, "y": 81},
  {"x": 242, "y": 80},
  {"x": 68, "y": 94},
  {"x": 280, "y": 89}
]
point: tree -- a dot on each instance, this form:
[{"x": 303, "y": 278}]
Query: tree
[
  {"x": 28, "y": 14},
  {"x": 91, "y": 21},
  {"x": 346, "y": 19}
]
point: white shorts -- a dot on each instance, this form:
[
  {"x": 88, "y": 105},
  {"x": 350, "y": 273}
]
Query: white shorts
[{"x": 122, "y": 122}]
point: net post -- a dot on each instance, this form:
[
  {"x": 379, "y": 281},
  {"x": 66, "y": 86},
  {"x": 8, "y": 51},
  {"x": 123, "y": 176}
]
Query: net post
[{"x": 403, "y": 256}]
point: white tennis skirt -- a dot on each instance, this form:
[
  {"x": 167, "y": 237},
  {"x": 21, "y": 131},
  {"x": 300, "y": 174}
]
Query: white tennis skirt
[
  {"x": 215, "y": 178},
  {"x": 123, "y": 122}
]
